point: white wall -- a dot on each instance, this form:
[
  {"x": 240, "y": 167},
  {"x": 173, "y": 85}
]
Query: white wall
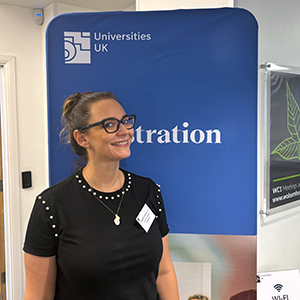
[
  {"x": 181, "y": 4},
  {"x": 20, "y": 37},
  {"x": 279, "y": 42}
]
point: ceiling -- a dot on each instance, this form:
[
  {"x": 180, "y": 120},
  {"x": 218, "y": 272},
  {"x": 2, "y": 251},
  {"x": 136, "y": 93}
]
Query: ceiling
[{"x": 92, "y": 4}]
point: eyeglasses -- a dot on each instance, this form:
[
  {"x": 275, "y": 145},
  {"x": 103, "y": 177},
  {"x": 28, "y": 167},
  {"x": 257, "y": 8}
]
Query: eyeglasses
[{"x": 112, "y": 125}]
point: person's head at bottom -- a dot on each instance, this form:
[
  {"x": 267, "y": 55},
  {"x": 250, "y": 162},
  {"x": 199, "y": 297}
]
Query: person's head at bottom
[{"x": 197, "y": 297}]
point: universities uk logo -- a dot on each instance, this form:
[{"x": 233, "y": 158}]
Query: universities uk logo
[{"x": 77, "y": 47}]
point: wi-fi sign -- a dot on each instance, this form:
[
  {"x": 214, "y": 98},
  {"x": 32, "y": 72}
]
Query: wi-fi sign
[{"x": 278, "y": 287}]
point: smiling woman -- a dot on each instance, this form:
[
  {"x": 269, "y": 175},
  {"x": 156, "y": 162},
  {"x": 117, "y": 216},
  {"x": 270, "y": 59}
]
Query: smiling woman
[
  {"x": 88, "y": 237},
  {"x": 105, "y": 142}
]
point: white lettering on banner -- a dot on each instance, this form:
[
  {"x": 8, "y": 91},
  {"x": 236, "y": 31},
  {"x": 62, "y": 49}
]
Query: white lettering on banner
[
  {"x": 101, "y": 48},
  {"x": 177, "y": 136},
  {"x": 77, "y": 45},
  {"x": 132, "y": 36}
]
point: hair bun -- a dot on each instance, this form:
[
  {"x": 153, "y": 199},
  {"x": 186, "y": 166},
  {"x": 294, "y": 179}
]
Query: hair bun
[{"x": 70, "y": 103}]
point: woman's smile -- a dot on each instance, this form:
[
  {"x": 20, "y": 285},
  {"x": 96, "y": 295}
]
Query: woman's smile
[{"x": 121, "y": 143}]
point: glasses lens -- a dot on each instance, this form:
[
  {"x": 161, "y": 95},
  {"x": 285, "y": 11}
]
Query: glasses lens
[
  {"x": 111, "y": 125},
  {"x": 128, "y": 122}
]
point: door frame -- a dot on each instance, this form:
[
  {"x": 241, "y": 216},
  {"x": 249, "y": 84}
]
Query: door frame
[{"x": 11, "y": 180}]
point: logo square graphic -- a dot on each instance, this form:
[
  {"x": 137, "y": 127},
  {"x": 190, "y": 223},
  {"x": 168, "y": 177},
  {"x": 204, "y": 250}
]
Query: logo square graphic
[{"x": 77, "y": 47}]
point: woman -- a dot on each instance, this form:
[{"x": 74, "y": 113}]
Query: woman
[{"x": 100, "y": 233}]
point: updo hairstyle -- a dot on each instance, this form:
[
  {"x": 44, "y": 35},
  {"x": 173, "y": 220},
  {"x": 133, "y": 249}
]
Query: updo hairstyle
[{"x": 76, "y": 115}]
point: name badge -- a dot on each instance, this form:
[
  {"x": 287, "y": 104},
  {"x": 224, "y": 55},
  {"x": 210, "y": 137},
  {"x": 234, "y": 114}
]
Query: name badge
[{"x": 146, "y": 217}]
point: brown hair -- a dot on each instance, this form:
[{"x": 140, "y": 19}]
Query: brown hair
[
  {"x": 198, "y": 296},
  {"x": 76, "y": 114},
  {"x": 245, "y": 295}
]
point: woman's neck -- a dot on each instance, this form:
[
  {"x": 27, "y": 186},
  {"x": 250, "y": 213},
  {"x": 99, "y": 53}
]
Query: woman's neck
[{"x": 105, "y": 178}]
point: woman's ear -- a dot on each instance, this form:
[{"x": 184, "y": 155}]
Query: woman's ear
[{"x": 80, "y": 138}]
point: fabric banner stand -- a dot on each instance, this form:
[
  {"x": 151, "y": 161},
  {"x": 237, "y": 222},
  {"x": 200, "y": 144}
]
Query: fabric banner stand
[{"x": 190, "y": 76}]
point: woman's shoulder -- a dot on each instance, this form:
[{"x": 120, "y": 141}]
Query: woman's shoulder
[
  {"x": 142, "y": 182},
  {"x": 140, "y": 178},
  {"x": 59, "y": 188}
]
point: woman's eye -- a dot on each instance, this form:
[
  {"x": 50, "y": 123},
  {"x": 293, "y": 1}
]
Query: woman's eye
[{"x": 110, "y": 124}]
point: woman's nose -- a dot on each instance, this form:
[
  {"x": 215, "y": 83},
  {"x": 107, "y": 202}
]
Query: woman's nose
[{"x": 122, "y": 129}]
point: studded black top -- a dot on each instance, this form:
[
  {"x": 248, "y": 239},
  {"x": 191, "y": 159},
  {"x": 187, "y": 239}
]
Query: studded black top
[{"x": 95, "y": 258}]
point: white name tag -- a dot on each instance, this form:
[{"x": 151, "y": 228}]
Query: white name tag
[{"x": 146, "y": 217}]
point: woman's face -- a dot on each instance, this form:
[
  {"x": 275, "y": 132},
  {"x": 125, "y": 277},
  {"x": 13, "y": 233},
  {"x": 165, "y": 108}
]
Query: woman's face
[{"x": 105, "y": 146}]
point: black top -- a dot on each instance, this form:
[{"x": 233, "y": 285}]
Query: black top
[{"x": 97, "y": 259}]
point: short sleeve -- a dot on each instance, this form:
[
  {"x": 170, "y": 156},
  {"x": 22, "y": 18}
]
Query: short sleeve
[
  {"x": 42, "y": 231},
  {"x": 160, "y": 212}
]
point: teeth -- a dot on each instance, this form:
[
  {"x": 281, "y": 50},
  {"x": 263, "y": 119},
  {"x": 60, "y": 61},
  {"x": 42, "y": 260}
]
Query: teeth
[{"x": 120, "y": 143}]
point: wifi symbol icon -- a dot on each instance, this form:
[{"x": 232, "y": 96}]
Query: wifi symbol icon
[{"x": 278, "y": 287}]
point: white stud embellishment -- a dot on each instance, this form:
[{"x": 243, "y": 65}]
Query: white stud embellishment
[
  {"x": 90, "y": 189},
  {"x": 117, "y": 219}
]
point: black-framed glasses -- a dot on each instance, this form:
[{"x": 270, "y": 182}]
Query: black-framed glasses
[{"x": 112, "y": 125}]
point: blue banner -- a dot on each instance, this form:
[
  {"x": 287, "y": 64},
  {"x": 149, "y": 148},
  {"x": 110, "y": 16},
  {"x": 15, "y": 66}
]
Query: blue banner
[{"x": 190, "y": 76}]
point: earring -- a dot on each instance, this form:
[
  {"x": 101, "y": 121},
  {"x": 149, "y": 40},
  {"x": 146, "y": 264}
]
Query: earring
[{"x": 87, "y": 147}]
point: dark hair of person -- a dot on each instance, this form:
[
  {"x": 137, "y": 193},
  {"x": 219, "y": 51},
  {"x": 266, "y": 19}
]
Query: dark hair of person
[
  {"x": 245, "y": 295},
  {"x": 76, "y": 114},
  {"x": 198, "y": 296}
]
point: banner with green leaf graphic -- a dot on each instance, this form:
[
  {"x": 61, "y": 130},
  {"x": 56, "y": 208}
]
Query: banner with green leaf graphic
[{"x": 284, "y": 139}]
